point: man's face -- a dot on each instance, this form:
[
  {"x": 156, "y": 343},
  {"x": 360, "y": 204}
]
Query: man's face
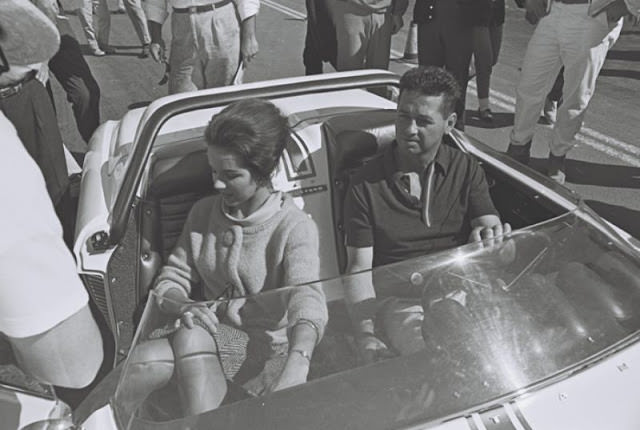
[{"x": 420, "y": 125}]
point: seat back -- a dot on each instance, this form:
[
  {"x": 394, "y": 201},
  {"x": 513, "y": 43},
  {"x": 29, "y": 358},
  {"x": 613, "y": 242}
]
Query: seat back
[
  {"x": 351, "y": 141},
  {"x": 175, "y": 184}
]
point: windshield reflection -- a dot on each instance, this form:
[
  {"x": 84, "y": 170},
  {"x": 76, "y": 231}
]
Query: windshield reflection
[{"x": 464, "y": 327}]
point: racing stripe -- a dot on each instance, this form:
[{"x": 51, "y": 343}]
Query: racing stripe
[{"x": 518, "y": 413}]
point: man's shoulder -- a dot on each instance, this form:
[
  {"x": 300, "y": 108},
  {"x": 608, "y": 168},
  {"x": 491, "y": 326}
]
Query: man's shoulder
[
  {"x": 456, "y": 160},
  {"x": 372, "y": 170}
]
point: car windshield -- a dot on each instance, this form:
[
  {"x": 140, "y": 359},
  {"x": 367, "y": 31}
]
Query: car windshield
[{"x": 464, "y": 328}]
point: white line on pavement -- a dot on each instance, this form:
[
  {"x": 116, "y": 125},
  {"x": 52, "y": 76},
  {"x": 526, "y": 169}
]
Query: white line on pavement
[{"x": 287, "y": 11}]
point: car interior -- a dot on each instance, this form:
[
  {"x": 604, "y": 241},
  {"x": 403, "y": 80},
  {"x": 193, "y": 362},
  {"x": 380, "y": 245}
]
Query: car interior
[{"x": 179, "y": 175}]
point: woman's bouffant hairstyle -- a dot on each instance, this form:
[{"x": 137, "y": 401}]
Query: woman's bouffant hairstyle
[{"x": 253, "y": 129}]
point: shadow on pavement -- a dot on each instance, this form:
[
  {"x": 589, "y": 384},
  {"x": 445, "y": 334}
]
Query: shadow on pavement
[
  {"x": 625, "y": 218},
  {"x": 631, "y": 74},
  {"x": 500, "y": 119},
  {"x": 604, "y": 175},
  {"x": 623, "y": 55}
]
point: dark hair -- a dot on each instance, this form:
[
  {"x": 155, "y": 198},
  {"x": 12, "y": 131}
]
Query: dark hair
[
  {"x": 253, "y": 129},
  {"x": 433, "y": 81}
]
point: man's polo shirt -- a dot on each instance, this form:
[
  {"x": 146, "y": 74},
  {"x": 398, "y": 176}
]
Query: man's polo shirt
[{"x": 379, "y": 211}]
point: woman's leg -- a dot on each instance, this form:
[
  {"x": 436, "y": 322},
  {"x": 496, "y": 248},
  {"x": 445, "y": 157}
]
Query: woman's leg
[
  {"x": 495, "y": 34},
  {"x": 483, "y": 55},
  {"x": 150, "y": 368},
  {"x": 198, "y": 370}
]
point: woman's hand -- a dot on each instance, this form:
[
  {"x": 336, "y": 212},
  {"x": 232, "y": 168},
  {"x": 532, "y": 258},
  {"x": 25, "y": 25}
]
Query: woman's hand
[
  {"x": 204, "y": 313},
  {"x": 294, "y": 373}
]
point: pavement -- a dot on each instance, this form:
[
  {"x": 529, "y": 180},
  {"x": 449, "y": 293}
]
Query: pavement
[{"x": 604, "y": 168}]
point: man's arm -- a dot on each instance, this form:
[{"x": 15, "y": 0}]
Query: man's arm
[
  {"x": 156, "y": 12},
  {"x": 68, "y": 354},
  {"x": 247, "y": 11}
]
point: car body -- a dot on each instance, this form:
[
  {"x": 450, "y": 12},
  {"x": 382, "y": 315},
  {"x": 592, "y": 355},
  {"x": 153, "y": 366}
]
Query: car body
[{"x": 541, "y": 331}]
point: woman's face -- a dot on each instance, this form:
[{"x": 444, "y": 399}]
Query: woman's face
[{"x": 234, "y": 181}]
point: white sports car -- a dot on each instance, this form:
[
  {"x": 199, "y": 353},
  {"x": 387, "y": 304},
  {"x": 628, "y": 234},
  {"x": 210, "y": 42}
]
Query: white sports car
[{"x": 537, "y": 331}]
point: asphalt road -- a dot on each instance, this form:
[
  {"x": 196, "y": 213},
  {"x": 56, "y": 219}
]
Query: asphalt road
[{"x": 604, "y": 168}]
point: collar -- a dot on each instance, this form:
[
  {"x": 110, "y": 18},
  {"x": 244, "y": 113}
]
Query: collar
[
  {"x": 269, "y": 208},
  {"x": 442, "y": 160}
]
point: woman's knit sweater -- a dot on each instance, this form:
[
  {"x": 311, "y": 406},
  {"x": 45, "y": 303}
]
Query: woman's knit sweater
[{"x": 276, "y": 246}]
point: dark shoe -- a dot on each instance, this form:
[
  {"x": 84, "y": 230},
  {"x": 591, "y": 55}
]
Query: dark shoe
[
  {"x": 107, "y": 49},
  {"x": 485, "y": 115},
  {"x": 520, "y": 153},
  {"x": 556, "y": 168},
  {"x": 145, "y": 51}
]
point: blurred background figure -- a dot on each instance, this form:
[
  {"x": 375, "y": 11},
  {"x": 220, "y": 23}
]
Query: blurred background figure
[
  {"x": 44, "y": 312},
  {"x": 84, "y": 11},
  {"x": 575, "y": 34},
  {"x": 133, "y": 8},
  {"x": 363, "y": 31},
  {"x": 320, "y": 43},
  {"x": 487, "y": 39},
  {"x": 210, "y": 43},
  {"x": 444, "y": 39}
]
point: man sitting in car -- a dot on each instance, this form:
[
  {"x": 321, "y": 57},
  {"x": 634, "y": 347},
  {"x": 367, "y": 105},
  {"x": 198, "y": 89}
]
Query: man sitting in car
[{"x": 417, "y": 197}]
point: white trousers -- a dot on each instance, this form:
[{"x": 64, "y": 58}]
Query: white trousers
[
  {"x": 567, "y": 37},
  {"x": 99, "y": 34}
]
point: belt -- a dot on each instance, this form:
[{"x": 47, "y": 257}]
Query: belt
[
  {"x": 201, "y": 9},
  {"x": 14, "y": 89},
  {"x": 573, "y": 1}
]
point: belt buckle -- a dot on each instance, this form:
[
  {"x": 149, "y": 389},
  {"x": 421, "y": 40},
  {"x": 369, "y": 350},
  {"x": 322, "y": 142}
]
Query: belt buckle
[
  {"x": 193, "y": 9},
  {"x": 10, "y": 91}
]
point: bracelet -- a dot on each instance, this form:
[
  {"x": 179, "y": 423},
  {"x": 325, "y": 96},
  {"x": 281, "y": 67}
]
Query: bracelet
[
  {"x": 310, "y": 324},
  {"x": 303, "y": 353}
]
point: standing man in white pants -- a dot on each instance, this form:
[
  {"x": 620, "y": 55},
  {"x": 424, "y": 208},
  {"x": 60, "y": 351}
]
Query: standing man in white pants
[
  {"x": 363, "y": 31},
  {"x": 570, "y": 34},
  {"x": 98, "y": 35},
  {"x": 211, "y": 40}
]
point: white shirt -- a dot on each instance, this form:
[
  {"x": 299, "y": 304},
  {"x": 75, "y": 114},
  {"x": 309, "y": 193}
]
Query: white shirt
[
  {"x": 39, "y": 286},
  {"x": 158, "y": 10}
]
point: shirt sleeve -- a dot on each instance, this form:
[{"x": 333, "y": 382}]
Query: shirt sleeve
[
  {"x": 302, "y": 264},
  {"x": 480, "y": 202},
  {"x": 358, "y": 227},
  {"x": 247, "y": 8},
  {"x": 156, "y": 10},
  {"x": 39, "y": 286}
]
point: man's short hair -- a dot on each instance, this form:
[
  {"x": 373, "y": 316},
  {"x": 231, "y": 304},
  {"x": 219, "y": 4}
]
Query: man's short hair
[{"x": 433, "y": 81}]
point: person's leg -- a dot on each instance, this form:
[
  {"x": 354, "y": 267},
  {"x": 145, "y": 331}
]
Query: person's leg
[
  {"x": 540, "y": 66},
  {"x": 379, "y": 46},
  {"x": 219, "y": 42},
  {"x": 103, "y": 25},
  {"x": 483, "y": 58},
  {"x": 495, "y": 34},
  {"x": 586, "y": 42},
  {"x": 182, "y": 58},
  {"x": 198, "y": 370},
  {"x": 458, "y": 48},
  {"x": 85, "y": 15},
  {"x": 72, "y": 71},
  {"x": 310, "y": 56},
  {"x": 351, "y": 35},
  {"x": 430, "y": 48},
  {"x": 138, "y": 19},
  {"x": 151, "y": 365}
]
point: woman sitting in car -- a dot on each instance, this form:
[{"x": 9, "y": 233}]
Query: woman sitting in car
[{"x": 246, "y": 239}]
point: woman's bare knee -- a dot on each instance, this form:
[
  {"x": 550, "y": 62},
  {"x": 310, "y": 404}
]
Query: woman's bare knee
[{"x": 195, "y": 340}]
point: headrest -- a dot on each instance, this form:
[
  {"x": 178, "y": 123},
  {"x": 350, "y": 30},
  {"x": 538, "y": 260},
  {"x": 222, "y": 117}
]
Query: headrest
[
  {"x": 353, "y": 138},
  {"x": 172, "y": 176}
]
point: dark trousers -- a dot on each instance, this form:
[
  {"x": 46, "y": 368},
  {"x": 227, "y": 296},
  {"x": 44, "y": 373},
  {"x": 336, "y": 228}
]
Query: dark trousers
[
  {"x": 72, "y": 71},
  {"x": 31, "y": 113},
  {"x": 445, "y": 41},
  {"x": 320, "y": 42}
]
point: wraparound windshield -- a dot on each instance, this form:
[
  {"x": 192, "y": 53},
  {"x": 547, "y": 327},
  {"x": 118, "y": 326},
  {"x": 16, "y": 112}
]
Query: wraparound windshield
[{"x": 465, "y": 327}]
